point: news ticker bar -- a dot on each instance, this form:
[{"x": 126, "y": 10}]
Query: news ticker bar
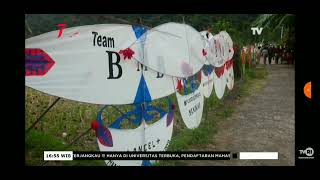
[
  {"x": 84, "y": 155},
  {"x": 216, "y": 155}
]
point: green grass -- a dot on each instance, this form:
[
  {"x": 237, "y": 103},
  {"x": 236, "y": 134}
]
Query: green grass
[
  {"x": 37, "y": 142},
  {"x": 226, "y": 112},
  {"x": 254, "y": 81}
]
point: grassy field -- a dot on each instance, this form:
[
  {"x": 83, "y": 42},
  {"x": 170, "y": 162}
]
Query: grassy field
[{"x": 68, "y": 119}]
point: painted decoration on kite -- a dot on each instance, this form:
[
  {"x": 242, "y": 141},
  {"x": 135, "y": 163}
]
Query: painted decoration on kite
[
  {"x": 228, "y": 43},
  {"x": 207, "y": 80},
  {"x": 229, "y": 74},
  {"x": 208, "y": 52},
  {"x": 172, "y": 49},
  {"x": 224, "y": 48},
  {"x": 219, "y": 81},
  {"x": 190, "y": 100},
  {"x": 95, "y": 66},
  {"x": 219, "y": 47},
  {"x": 148, "y": 136},
  {"x": 215, "y": 47}
]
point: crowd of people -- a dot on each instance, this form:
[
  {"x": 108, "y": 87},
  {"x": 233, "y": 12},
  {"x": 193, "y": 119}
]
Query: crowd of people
[{"x": 267, "y": 54}]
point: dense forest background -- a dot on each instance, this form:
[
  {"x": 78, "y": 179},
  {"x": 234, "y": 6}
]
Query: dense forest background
[{"x": 278, "y": 28}]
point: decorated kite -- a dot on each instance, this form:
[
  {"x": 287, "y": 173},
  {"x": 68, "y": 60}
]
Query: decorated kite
[
  {"x": 207, "y": 80},
  {"x": 220, "y": 53},
  {"x": 146, "y": 137},
  {"x": 190, "y": 100},
  {"x": 93, "y": 64},
  {"x": 117, "y": 64},
  {"x": 219, "y": 81},
  {"x": 229, "y": 74}
]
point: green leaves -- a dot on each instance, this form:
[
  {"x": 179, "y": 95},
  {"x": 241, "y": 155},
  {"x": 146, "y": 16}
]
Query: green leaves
[{"x": 274, "y": 21}]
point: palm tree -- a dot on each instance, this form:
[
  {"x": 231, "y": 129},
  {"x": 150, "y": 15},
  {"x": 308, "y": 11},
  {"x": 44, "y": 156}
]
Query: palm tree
[
  {"x": 275, "y": 21},
  {"x": 283, "y": 22}
]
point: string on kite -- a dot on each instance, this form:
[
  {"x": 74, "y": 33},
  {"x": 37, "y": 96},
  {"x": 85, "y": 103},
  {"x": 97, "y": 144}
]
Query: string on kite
[
  {"x": 149, "y": 30},
  {"x": 128, "y": 52},
  {"x": 42, "y": 115},
  {"x": 144, "y": 86}
]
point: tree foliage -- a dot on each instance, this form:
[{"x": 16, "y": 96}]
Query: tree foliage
[
  {"x": 278, "y": 24},
  {"x": 237, "y": 25}
]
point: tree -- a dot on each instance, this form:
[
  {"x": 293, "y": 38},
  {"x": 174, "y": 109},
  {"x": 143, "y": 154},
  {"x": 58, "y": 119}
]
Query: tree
[{"x": 281, "y": 23}]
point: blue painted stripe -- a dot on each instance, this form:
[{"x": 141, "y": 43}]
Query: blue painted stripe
[
  {"x": 31, "y": 61},
  {"x": 34, "y": 56}
]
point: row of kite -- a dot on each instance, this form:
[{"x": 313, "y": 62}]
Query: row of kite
[{"x": 117, "y": 64}]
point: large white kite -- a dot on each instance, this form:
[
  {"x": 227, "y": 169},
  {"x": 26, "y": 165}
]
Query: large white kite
[{"x": 92, "y": 64}]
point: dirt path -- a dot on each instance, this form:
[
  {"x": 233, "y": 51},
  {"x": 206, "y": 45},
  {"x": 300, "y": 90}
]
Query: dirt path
[{"x": 262, "y": 122}]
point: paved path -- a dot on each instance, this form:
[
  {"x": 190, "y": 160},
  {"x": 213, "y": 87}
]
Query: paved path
[{"x": 263, "y": 122}]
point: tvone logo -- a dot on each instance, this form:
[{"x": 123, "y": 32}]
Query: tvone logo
[
  {"x": 256, "y": 29},
  {"x": 309, "y": 151}
]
